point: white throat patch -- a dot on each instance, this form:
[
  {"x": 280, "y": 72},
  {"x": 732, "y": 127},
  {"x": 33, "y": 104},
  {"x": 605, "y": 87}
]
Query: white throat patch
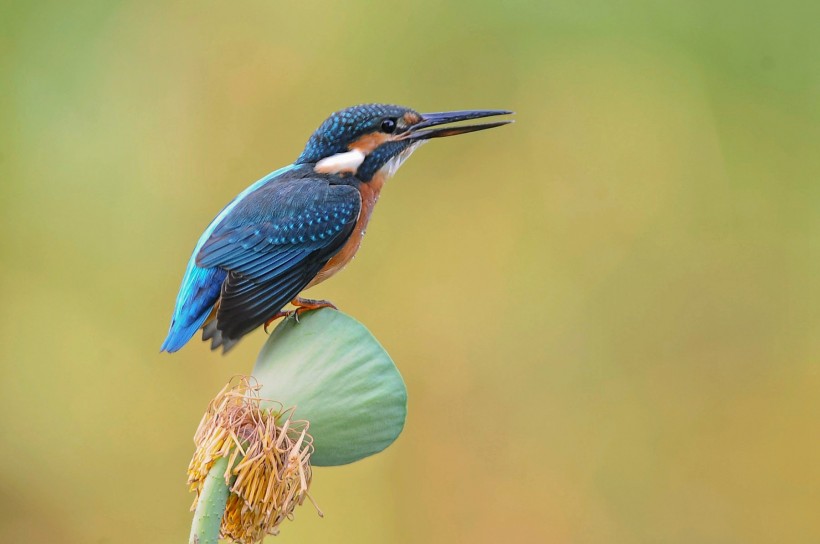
[
  {"x": 348, "y": 161},
  {"x": 391, "y": 166}
]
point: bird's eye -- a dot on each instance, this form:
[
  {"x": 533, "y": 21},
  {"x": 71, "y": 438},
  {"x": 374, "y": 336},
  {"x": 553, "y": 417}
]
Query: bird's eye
[{"x": 389, "y": 126}]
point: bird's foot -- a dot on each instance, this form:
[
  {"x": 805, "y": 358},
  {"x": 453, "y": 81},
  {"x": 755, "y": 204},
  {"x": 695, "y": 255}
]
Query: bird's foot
[
  {"x": 302, "y": 305},
  {"x": 307, "y": 304}
]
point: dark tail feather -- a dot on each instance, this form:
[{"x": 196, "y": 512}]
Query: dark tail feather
[{"x": 210, "y": 332}]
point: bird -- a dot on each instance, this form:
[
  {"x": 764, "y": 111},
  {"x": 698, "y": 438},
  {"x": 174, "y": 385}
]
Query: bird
[{"x": 301, "y": 224}]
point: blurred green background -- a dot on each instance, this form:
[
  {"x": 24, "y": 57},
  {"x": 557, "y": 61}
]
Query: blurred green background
[{"x": 607, "y": 314}]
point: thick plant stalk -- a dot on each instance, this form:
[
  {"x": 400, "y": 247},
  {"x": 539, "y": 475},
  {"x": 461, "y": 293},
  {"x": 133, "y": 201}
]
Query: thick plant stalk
[{"x": 211, "y": 505}]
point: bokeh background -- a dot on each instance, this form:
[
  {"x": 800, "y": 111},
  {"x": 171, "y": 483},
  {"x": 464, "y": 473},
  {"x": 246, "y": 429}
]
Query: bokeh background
[{"x": 606, "y": 314}]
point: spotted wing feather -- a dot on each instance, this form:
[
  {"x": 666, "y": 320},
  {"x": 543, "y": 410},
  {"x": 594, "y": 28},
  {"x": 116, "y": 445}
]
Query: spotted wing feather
[{"x": 272, "y": 245}]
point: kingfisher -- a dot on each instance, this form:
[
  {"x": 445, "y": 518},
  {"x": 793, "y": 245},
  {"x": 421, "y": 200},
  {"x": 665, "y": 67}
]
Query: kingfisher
[{"x": 299, "y": 225}]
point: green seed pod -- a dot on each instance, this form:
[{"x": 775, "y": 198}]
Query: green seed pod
[
  {"x": 323, "y": 392},
  {"x": 339, "y": 378}
]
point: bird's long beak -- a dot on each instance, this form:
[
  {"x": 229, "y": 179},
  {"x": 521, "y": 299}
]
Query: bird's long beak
[{"x": 422, "y": 130}]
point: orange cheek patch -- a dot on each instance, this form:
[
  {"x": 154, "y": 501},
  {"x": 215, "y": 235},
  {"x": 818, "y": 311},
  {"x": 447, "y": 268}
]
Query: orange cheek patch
[{"x": 367, "y": 143}]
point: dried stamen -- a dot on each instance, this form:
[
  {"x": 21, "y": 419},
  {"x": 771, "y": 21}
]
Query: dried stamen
[{"x": 269, "y": 455}]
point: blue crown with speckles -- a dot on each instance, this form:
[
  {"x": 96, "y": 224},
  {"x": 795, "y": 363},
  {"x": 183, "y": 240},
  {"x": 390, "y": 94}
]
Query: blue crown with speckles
[{"x": 346, "y": 126}]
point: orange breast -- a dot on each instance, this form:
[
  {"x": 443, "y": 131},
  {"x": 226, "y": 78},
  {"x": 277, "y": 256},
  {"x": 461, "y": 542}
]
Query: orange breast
[{"x": 370, "y": 195}]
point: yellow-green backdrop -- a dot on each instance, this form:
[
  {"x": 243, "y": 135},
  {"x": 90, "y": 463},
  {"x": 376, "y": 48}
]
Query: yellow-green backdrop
[{"x": 606, "y": 314}]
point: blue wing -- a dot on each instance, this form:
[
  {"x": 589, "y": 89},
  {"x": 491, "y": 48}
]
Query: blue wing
[
  {"x": 200, "y": 286},
  {"x": 260, "y": 253}
]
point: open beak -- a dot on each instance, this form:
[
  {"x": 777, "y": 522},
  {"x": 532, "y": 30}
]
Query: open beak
[{"x": 422, "y": 130}]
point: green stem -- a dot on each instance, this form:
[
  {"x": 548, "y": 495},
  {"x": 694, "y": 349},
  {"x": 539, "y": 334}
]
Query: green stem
[{"x": 211, "y": 505}]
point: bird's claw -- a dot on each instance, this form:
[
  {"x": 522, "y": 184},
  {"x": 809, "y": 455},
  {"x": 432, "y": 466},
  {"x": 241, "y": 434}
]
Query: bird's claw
[
  {"x": 276, "y": 316},
  {"x": 302, "y": 305}
]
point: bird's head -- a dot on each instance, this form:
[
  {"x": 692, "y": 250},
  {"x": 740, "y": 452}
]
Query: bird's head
[{"x": 362, "y": 140}]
